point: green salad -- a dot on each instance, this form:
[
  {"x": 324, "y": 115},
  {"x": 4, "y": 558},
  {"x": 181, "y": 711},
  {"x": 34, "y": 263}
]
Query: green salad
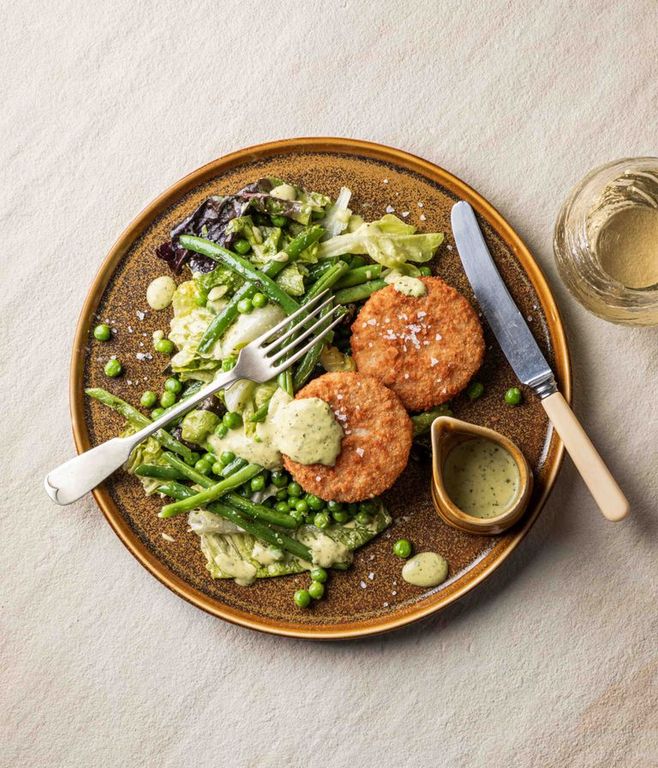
[{"x": 221, "y": 464}]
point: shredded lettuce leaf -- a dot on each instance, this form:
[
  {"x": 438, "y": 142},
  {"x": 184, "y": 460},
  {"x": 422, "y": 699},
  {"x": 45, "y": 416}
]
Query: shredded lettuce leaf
[{"x": 388, "y": 241}]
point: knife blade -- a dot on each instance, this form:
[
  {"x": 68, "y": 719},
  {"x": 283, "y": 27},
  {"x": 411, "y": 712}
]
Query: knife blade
[
  {"x": 528, "y": 362},
  {"x": 507, "y": 323}
]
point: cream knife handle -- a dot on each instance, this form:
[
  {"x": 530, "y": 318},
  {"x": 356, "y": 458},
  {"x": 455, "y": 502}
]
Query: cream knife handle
[{"x": 602, "y": 485}]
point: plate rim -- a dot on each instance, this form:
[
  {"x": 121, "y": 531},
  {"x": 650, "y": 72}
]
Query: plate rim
[{"x": 329, "y": 145}]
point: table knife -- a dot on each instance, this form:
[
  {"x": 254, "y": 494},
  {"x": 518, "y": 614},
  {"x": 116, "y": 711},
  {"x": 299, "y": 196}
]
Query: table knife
[{"x": 528, "y": 362}]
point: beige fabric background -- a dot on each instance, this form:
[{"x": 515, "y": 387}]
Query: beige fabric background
[{"x": 553, "y": 661}]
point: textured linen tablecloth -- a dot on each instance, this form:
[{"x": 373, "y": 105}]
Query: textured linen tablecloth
[{"x": 553, "y": 661}]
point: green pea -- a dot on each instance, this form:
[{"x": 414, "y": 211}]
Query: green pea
[
  {"x": 221, "y": 430},
  {"x": 279, "y": 221},
  {"x": 103, "y": 332},
  {"x": 164, "y": 346},
  {"x": 363, "y": 518},
  {"x": 316, "y": 589},
  {"x": 425, "y": 271},
  {"x": 301, "y": 505},
  {"x": 475, "y": 390},
  {"x": 334, "y": 506},
  {"x": 156, "y": 413},
  {"x": 298, "y": 516},
  {"x": 282, "y": 506},
  {"x": 279, "y": 479},
  {"x": 242, "y": 246},
  {"x": 365, "y": 507},
  {"x": 259, "y": 300},
  {"x": 232, "y": 420},
  {"x": 194, "y": 457},
  {"x": 217, "y": 468},
  {"x": 209, "y": 457},
  {"x": 113, "y": 368},
  {"x": 226, "y": 457},
  {"x": 302, "y": 598},
  {"x": 167, "y": 399},
  {"x": 319, "y": 574},
  {"x": 513, "y": 396},
  {"x": 321, "y": 520},
  {"x": 402, "y": 548},
  {"x": 314, "y": 502},
  {"x": 340, "y": 516},
  {"x": 203, "y": 466},
  {"x": 257, "y": 483},
  {"x": 294, "y": 489},
  {"x": 173, "y": 385},
  {"x": 282, "y": 495},
  {"x": 148, "y": 399},
  {"x": 229, "y": 363},
  {"x": 245, "y": 306}
]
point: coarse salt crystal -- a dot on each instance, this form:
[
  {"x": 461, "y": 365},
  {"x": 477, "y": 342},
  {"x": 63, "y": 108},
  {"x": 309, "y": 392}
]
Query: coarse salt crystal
[
  {"x": 438, "y": 337},
  {"x": 371, "y": 575},
  {"x": 167, "y": 537},
  {"x": 359, "y": 451},
  {"x": 385, "y": 605},
  {"x": 419, "y": 204},
  {"x": 433, "y": 361},
  {"x": 140, "y": 315},
  {"x": 404, "y": 214},
  {"x": 317, "y": 478},
  {"x": 390, "y": 209},
  {"x": 422, "y": 217},
  {"x": 385, "y": 181},
  {"x": 362, "y": 584},
  {"x": 406, "y": 375},
  {"x": 421, "y": 314},
  {"x": 372, "y": 321},
  {"x": 394, "y": 592},
  {"x": 449, "y": 247},
  {"x": 339, "y": 396},
  {"x": 130, "y": 329}
]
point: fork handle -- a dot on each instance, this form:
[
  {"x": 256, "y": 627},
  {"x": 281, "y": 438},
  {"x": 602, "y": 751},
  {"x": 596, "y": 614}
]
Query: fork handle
[
  {"x": 76, "y": 477},
  {"x": 602, "y": 485}
]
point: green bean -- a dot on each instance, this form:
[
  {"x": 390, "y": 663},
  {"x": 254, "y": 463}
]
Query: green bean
[
  {"x": 359, "y": 292},
  {"x": 317, "y": 270},
  {"x": 311, "y": 358},
  {"x": 159, "y": 472},
  {"x": 175, "y": 490},
  {"x": 326, "y": 281},
  {"x": 187, "y": 471},
  {"x": 261, "y": 413},
  {"x": 137, "y": 419},
  {"x": 284, "y": 380},
  {"x": 203, "y": 498},
  {"x": 234, "y": 466},
  {"x": 260, "y": 531},
  {"x": 241, "y": 267},
  {"x": 423, "y": 421},
  {"x": 360, "y": 275},
  {"x": 303, "y": 240},
  {"x": 260, "y": 511}
]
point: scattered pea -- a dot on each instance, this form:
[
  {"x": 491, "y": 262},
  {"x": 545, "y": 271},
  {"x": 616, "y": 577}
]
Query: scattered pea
[
  {"x": 319, "y": 574},
  {"x": 217, "y": 468},
  {"x": 257, "y": 483},
  {"x": 363, "y": 518},
  {"x": 245, "y": 306},
  {"x": 279, "y": 221},
  {"x": 226, "y": 457},
  {"x": 316, "y": 589},
  {"x": 156, "y": 413},
  {"x": 203, "y": 466},
  {"x": 232, "y": 420},
  {"x": 475, "y": 390},
  {"x": 294, "y": 489},
  {"x": 282, "y": 495},
  {"x": 113, "y": 368},
  {"x": 282, "y": 506},
  {"x": 334, "y": 506},
  {"x": 425, "y": 271},
  {"x": 321, "y": 520},
  {"x": 302, "y": 598},
  {"x": 340, "y": 516},
  {"x": 164, "y": 346},
  {"x": 148, "y": 399},
  {"x": 402, "y": 548},
  {"x": 221, "y": 430},
  {"x": 314, "y": 502},
  {"x": 103, "y": 332},
  {"x": 513, "y": 396},
  {"x": 194, "y": 457},
  {"x": 279, "y": 479},
  {"x": 173, "y": 385},
  {"x": 167, "y": 399},
  {"x": 259, "y": 300},
  {"x": 241, "y": 246},
  {"x": 301, "y": 505}
]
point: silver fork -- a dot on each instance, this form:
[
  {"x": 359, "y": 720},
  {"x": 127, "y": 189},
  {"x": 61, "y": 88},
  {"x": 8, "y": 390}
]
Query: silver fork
[{"x": 260, "y": 361}]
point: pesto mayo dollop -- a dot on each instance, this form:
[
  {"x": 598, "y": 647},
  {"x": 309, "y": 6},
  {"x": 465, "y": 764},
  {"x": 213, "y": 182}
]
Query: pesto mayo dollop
[
  {"x": 160, "y": 292},
  {"x": 409, "y": 286}
]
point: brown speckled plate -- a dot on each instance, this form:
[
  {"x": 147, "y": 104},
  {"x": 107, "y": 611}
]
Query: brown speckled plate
[{"x": 371, "y": 597}]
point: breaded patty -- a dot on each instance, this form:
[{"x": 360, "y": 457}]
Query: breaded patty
[
  {"x": 376, "y": 441},
  {"x": 425, "y": 349}
]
